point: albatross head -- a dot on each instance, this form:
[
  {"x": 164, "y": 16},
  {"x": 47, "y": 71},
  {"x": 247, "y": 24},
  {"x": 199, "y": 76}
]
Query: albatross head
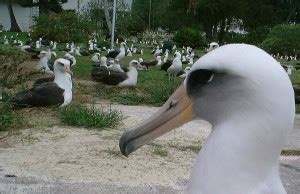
[
  {"x": 133, "y": 63},
  {"x": 71, "y": 58},
  {"x": 42, "y": 54},
  {"x": 250, "y": 112},
  {"x": 62, "y": 66}
]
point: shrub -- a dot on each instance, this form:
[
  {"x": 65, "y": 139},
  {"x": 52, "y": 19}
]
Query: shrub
[
  {"x": 64, "y": 27},
  {"x": 11, "y": 68},
  {"x": 189, "y": 37},
  {"x": 81, "y": 116},
  {"x": 8, "y": 118},
  {"x": 283, "y": 39}
]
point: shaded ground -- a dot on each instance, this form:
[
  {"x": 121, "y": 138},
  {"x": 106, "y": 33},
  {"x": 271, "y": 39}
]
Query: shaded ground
[{"x": 64, "y": 160}]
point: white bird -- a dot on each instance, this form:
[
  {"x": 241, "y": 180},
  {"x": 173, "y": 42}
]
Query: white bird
[
  {"x": 129, "y": 53},
  {"x": 119, "y": 79},
  {"x": 6, "y": 42},
  {"x": 186, "y": 70},
  {"x": 37, "y": 44},
  {"x": 54, "y": 45},
  {"x": 57, "y": 92},
  {"x": 77, "y": 51},
  {"x": 116, "y": 66},
  {"x": 166, "y": 56},
  {"x": 49, "y": 53},
  {"x": 212, "y": 46},
  {"x": 157, "y": 51},
  {"x": 96, "y": 58},
  {"x": 103, "y": 62},
  {"x": 250, "y": 117},
  {"x": 176, "y": 66},
  {"x": 71, "y": 58},
  {"x": 43, "y": 63},
  {"x": 117, "y": 54}
]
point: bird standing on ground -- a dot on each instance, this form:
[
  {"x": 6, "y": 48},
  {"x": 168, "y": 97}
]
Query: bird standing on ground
[{"x": 174, "y": 67}]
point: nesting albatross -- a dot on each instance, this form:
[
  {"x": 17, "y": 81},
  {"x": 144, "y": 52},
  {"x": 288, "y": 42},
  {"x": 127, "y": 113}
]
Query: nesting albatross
[
  {"x": 58, "y": 92},
  {"x": 119, "y": 79},
  {"x": 251, "y": 114}
]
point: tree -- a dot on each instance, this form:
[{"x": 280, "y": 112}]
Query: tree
[{"x": 45, "y": 6}]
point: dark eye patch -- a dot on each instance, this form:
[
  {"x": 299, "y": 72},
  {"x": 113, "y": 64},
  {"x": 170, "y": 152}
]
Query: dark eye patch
[
  {"x": 71, "y": 61},
  {"x": 200, "y": 76}
]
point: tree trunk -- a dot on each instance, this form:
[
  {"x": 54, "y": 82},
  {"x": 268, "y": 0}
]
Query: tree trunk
[
  {"x": 14, "y": 27},
  {"x": 222, "y": 31},
  {"x": 107, "y": 16},
  {"x": 191, "y": 7},
  {"x": 292, "y": 12}
]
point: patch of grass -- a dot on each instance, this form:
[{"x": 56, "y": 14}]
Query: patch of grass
[
  {"x": 114, "y": 152},
  {"x": 89, "y": 117},
  {"x": 195, "y": 147},
  {"x": 23, "y": 36},
  {"x": 9, "y": 119},
  {"x": 153, "y": 88},
  {"x": 160, "y": 151}
]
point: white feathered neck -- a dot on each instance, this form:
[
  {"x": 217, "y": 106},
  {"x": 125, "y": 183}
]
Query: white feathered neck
[{"x": 251, "y": 113}]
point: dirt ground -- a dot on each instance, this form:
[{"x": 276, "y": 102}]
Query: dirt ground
[{"x": 76, "y": 154}]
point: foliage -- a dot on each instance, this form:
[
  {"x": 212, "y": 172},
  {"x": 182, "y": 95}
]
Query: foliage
[
  {"x": 81, "y": 116},
  {"x": 254, "y": 37},
  {"x": 11, "y": 68},
  {"x": 283, "y": 39},
  {"x": 95, "y": 14},
  {"x": 8, "y": 117},
  {"x": 189, "y": 37},
  {"x": 150, "y": 36},
  {"x": 65, "y": 27},
  {"x": 45, "y": 7},
  {"x": 160, "y": 151}
]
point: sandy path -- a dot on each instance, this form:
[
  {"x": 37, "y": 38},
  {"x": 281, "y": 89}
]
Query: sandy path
[{"x": 87, "y": 155}]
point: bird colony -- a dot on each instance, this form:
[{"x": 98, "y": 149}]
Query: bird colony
[{"x": 228, "y": 86}]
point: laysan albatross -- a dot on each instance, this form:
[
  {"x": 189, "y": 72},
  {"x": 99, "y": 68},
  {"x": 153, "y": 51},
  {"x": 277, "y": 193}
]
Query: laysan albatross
[
  {"x": 251, "y": 115},
  {"x": 58, "y": 92},
  {"x": 125, "y": 79}
]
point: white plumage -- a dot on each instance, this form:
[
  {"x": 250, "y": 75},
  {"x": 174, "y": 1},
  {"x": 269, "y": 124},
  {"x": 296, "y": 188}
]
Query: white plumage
[
  {"x": 176, "y": 66},
  {"x": 251, "y": 114}
]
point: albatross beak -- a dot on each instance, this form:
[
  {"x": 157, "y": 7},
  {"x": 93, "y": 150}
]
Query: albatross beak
[
  {"x": 174, "y": 113},
  {"x": 67, "y": 69}
]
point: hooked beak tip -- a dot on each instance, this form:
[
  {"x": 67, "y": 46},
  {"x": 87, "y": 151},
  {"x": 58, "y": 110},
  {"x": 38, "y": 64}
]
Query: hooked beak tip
[{"x": 126, "y": 144}]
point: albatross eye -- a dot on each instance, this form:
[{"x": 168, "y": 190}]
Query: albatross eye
[{"x": 199, "y": 77}]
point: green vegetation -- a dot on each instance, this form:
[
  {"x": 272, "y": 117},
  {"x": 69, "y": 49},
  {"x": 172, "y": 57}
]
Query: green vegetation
[
  {"x": 191, "y": 37},
  {"x": 160, "y": 151},
  {"x": 153, "y": 88},
  {"x": 114, "y": 152},
  {"x": 194, "y": 147},
  {"x": 9, "y": 119},
  {"x": 283, "y": 39},
  {"x": 90, "y": 117},
  {"x": 74, "y": 27},
  {"x": 12, "y": 71}
]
